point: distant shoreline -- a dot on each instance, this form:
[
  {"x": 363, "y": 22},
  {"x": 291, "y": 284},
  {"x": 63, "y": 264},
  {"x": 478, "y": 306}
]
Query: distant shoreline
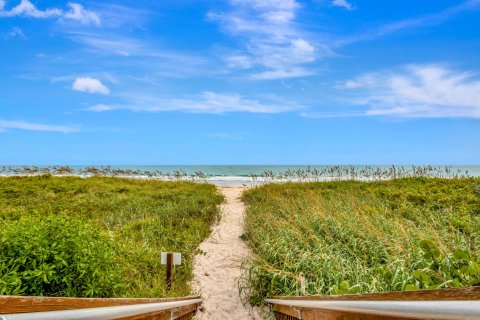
[{"x": 248, "y": 175}]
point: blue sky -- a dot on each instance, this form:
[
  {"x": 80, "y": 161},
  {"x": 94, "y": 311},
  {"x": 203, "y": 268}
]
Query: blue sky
[{"x": 240, "y": 82}]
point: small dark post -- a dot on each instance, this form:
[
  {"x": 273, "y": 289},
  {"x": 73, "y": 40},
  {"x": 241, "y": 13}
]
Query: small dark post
[{"x": 169, "y": 270}]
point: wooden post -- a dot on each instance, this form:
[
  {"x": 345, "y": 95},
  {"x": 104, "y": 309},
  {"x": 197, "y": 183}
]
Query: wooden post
[
  {"x": 303, "y": 286},
  {"x": 169, "y": 270}
]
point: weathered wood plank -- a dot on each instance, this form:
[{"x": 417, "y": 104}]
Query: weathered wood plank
[
  {"x": 320, "y": 314},
  {"x": 288, "y": 310},
  {"x": 166, "y": 315},
  {"x": 161, "y": 315},
  {"x": 341, "y": 315},
  {"x": 180, "y": 312}
]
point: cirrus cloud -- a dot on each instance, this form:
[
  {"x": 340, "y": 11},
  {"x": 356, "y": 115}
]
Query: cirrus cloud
[
  {"x": 273, "y": 46},
  {"x": 206, "y": 103},
  {"x": 418, "y": 91},
  {"x": 22, "y": 125}
]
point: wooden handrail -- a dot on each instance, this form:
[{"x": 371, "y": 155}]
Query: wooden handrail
[
  {"x": 21, "y": 304},
  {"x": 160, "y": 311},
  {"x": 328, "y": 309},
  {"x": 39, "y": 308},
  {"x": 463, "y": 303},
  {"x": 470, "y": 293}
]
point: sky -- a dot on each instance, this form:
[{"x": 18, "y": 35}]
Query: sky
[{"x": 239, "y": 82}]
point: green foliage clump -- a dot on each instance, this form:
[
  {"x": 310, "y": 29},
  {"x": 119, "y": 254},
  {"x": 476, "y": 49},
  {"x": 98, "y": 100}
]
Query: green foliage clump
[
  {"x": 358, "y": 237},
  {"x": 434, "y": 269},
  {"x": 57, "y": 256},
  {"x": 142, "y": 217}
]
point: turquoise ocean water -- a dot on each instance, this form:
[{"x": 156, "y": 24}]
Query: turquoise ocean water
[{"x": 236, "y": 175}]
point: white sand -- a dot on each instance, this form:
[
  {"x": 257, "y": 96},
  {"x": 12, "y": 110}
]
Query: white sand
[{"x": 217, "y": 271}]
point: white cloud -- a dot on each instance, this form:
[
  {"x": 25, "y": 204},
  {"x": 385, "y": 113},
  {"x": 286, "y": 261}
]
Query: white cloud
[
  {"x": 419, "y": 91},
  {"x": 15, "y": 32},
  {"x": 349, "y": 84},
  {"x": 90, "y": 85},
  {"x": 114, "y": 15},
  {"x": 239, "y": 61},
  {"x": 332, "y": 114},
  {"x": 302, "y": 51},
  {"x": 108, "y": 43},
  {"x": 268, "y": 4},
  {"x": 100, "y": 108},
  {"x": 21, "y": 125},
  {"x": 165, "y": 62},
  {"x": 27, "y": 9},
  {"x": 344, "y": 4},
  {"x": 273, "y": 44},
  {"x": 366, "y": 80},
  {"x": 211, "y": 102},
  {"x": 282, "y": 74},
  {"x": 206, "y": 102},
  {"x": 78, "y": 13}
]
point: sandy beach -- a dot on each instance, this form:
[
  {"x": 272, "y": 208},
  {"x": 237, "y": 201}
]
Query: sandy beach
[{"x": 217, "y": 268}]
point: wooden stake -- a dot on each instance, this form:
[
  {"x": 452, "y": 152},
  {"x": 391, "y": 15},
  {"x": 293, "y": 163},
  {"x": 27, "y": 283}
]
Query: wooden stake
[
  {"x": 303, "y": 286},
  {"x": 169, "y": 270}
]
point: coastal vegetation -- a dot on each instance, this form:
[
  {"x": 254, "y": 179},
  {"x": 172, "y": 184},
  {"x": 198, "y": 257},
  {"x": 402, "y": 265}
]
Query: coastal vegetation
[
  {"x": 361, "y": 173},
  {"x": 107, "y": 171},
  {"x": 280, "y": 174},
  {"x": 99, "y": 236},
  {"x": 356, "y": 237}
]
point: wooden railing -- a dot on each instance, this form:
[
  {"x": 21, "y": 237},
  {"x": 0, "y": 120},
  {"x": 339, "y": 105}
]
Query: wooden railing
[
  {"x": 428, "y": 304},
  {"x": 451, "y": 304},
  {"x": 43, "y": 308}
]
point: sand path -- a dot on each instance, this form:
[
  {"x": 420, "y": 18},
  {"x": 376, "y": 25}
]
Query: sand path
[{"x": 216, "y": 272}]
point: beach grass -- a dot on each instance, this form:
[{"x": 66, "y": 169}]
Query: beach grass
[
  {"x": 357, "y": 237},
  {"x": 106, "y": 232}
]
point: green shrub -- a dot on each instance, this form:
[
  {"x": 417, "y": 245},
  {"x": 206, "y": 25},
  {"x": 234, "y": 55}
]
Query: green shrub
[
  {"x": 434, "y": 269},
  {"x": 55, "y": 255}
]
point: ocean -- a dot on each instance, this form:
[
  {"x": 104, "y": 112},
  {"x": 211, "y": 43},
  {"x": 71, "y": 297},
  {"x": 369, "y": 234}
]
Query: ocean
[{"x": 238, "y": 175}]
